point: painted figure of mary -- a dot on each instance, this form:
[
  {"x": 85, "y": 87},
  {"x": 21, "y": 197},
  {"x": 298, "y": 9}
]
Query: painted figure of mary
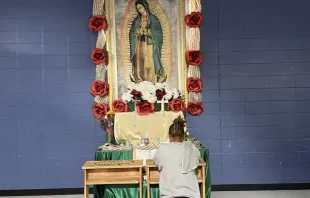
[{"x": 146, "y": 40}]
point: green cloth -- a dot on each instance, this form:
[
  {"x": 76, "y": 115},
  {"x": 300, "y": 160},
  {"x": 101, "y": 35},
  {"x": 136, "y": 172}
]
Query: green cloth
[{"x": 129, "y": 190}]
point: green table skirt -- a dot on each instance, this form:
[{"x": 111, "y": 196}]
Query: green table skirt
[{"x": 132, "y": 191}]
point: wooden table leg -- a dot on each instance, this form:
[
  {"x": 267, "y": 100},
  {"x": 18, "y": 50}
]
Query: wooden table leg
[
  {"x": 86, "y": 191},
  {"x": 141, "y": 184},
  {"x": 86, "y": 188},
  {"x": 148, "y": 182},
  {"x": 203, "y": 188}
]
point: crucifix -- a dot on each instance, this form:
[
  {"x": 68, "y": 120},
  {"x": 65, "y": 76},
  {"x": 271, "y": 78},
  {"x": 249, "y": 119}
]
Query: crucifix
[
  {"x": 135, "y": 102},
  {"x": 135, "y": 112},
  {"x": 162, "y": 102}
]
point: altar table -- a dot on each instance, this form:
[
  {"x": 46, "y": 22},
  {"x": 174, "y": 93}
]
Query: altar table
[{"x": 131, "y": 190}]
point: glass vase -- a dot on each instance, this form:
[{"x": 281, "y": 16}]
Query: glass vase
[{"x": 109, "y": 138}]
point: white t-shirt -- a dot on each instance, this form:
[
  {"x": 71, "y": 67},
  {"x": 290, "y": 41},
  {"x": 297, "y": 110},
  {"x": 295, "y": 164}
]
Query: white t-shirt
[{"x": 172, "y": 182}]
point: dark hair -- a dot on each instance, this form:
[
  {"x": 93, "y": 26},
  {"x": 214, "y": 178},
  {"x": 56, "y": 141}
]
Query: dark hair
[{"x": 176, "y": 129}]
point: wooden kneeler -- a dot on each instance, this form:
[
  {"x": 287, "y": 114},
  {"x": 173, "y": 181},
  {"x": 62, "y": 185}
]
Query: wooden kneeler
[{"x": 153, "y": 176}]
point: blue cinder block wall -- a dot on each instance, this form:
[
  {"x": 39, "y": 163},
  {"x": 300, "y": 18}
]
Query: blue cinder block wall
[{"x": 256, "y": 92}]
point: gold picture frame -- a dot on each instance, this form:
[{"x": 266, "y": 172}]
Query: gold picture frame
[{"x": 117, "y": 42}]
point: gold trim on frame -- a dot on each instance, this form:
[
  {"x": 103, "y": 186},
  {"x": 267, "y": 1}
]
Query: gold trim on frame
[
  {"x": 108, "y": 47},
  {"x": 112, "y": 52},
  {"x": 182, "y": 51}
]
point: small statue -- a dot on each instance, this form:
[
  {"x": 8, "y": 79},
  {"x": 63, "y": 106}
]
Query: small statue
[
  {"x": 108, "y": 123},
  {"x": 146, "y": 141}
]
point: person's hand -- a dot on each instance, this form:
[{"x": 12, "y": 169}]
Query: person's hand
[
  {"x": 149, "y": 32},
  {"x": 139, "y": 31},
  {"x": 140, "y": 79}
]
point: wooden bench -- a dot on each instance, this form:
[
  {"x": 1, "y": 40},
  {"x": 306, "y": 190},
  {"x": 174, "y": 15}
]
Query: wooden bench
[
  {"x": 153, "y": 176},
  {"x": 112, "y": 172}
]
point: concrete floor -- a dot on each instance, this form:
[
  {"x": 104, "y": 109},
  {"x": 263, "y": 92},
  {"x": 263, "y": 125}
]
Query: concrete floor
[{"x": 222, "y": 194}]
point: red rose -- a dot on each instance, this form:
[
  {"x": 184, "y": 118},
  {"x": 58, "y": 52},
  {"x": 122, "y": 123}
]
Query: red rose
[
  {"x": 145, "y": 108},
  {"x": 176, "y": 105},
  {"x": 99, "y": 88},
  {"x": 99, "y": 110},
  {"x": 160, "y": 94},
  {"x": 98, "y": 56},
  {"x": 193, "y": 20},
  {"x": 194, "y": 84},
  {"x": 136, "y": 93},
  {"x": 195, "y": 108},
  {"x": 119, "y": 106},
  {"x": 97, "y": 23},
  {"x": 194, "y": 57}
]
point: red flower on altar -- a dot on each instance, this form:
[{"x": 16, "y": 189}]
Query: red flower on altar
[
  {"x": 99, "y": 110},
  {"x": 98, "y": 56},
  {"x": 195, "y": 108},
  {"x": 193, "y": 20},
  {"x": 119, "y": 106},
  {"x": 136, "y": 93},
  {"x": 194, "y": 57},
  {"x": 145, "y": 108},
  {"x": 160, "y": 94},
  {"x": 194, "y": 84},
  {"x": 176, "y": 105},
  {"x": 99, "y": 88},
  {"x": 97, "y": 23}
]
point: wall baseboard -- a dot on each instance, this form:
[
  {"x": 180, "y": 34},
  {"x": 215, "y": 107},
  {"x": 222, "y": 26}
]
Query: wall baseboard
[
  {"x": 257, "y": 187},
  {"x": 237, "y": 187},
  {"x": 43, "y": 192}
]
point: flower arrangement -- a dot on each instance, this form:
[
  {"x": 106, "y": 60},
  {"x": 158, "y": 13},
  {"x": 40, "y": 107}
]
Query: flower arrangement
[
  {"x": 108, "y": 122},
  {"x": 147, "y": 91},
  {"x": 145, "y": 97}
]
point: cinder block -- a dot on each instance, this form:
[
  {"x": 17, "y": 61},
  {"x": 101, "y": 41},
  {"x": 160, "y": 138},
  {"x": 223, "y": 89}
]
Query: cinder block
[
  {"x": 232, "y": 107},
  {"x": 303, "y": 81},
  {"x": 212, "y": 108},
  {"x": 245, "y": 82},
  {"x": 54, "y": 61},
  {"x": 211, "y": 83},
  {"x": 208, "y": 95},
  {"x": 282, "y": 81},
  {"x": 257, "y": 107},
  {"x": 243, "y": 44},
  {"x": 233, "y": 120},
  {"x": 56, "y": 75},
  {"x": 257, "y": 120},
  {"x": 270, "y": 94},
  {"x": 302, "y": 93}
]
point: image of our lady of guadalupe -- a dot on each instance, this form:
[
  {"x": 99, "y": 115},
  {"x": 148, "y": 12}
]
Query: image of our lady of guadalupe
[{"x": 146, "y": 41}]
